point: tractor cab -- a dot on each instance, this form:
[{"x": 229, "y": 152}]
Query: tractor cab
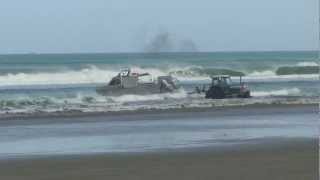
[{"x": 223, "y": 80}]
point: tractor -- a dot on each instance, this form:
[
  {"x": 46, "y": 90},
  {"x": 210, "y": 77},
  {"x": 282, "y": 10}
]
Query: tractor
[{"x": 222, "y": 87}]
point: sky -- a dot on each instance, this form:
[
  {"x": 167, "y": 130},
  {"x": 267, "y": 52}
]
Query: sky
[{"x": 71, "y": 26}]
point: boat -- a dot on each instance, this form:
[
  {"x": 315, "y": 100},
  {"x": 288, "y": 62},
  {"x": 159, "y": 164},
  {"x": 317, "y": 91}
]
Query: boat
[{"x": 128, "y": 82}]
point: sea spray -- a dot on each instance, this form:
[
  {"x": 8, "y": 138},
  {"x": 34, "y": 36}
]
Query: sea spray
[
  {"x": 307, "y": 63},
  {"x": 280, "y": 92},
  {"x": 154, "y": 97},
  {"x": 95, "y": 75}
]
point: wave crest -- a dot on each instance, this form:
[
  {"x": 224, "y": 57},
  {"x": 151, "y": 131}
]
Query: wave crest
[
  {"x": 95, "y": 75},
  {"x": 290, "y": 70},
  {"x": 262, "y": 73},
  {"x": 307, "y": 63},
  {"x": 87, "y": 75}
]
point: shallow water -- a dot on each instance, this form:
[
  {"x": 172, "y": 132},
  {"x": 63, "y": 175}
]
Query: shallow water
[{"x": 125, "y": 134}]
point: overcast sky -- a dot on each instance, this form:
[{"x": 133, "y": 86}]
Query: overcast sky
[{"x": 66, "y": 26}]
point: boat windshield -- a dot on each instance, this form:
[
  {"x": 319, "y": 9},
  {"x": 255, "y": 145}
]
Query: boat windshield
[{"x": 125, "y": 72}]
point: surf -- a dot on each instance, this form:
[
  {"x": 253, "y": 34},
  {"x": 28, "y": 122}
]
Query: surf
[{"x": 95, "y": 75}]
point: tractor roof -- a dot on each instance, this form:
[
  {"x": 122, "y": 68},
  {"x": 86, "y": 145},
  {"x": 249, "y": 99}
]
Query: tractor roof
[{"x": 220, "y": 76}]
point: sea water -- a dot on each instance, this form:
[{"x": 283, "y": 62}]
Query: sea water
[
  {"x": 64, "y": 82},
  {"x": 138, "y": 133}
]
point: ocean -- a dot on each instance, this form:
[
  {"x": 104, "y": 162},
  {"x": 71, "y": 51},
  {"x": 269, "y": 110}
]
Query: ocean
[{"x": 66, "y": 82}]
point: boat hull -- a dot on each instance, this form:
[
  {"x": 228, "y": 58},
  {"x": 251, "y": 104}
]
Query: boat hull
[{"x": 141, "y": 89}]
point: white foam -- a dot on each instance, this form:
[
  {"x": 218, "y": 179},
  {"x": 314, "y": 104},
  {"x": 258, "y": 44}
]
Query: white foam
[
  {"x": 135, "y": 98},
  {"x": 94, "y": 75},
  {"x": 307, "y": 63},
  {"x": 88, "y": 75},
  {"x": 281, "y": 92},
  {"x": 281, "y": 78},
  {"x": 84, "y": 76},
  {"x": 262, "y": 73}
]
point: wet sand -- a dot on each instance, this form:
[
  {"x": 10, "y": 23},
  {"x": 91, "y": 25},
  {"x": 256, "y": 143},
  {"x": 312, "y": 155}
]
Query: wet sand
[
  {"x": 277, "y": 158},
  {"x": 286, "y": 159}
]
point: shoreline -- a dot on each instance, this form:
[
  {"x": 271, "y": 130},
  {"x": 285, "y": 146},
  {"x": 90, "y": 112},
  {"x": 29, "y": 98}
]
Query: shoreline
[
  {"x": 74, "y": 114},
  {"x": 175, "y": 131},
  {"x": 272, "y": 157}
]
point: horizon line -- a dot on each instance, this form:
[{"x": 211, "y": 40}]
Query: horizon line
[{"x": 173, "y": 52}]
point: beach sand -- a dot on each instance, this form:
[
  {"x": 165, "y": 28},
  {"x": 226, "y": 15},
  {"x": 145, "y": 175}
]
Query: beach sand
[
  {"x": 294, "y": 159},
  {"x": 269, "y": 159}
]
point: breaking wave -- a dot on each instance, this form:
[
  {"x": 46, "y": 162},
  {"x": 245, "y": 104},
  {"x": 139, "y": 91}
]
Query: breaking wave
[
  {"x": 90, "y": 104},
  {"x": 94, "y": 75},
  {"x": 88, "y": 75},
  {"x": 289, "y": 70},
  {"x": 154, "y": 97},
  {"x": 307, "y": 63},
  {"x": 83, "y": 100},
  {"x": 199, "y": 71},
  {"x": 262, "y": 73}
]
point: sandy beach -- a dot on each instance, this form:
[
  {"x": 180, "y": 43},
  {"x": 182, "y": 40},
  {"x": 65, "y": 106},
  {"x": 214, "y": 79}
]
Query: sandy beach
[
  {"x": 294, "y": 159},
  {"x": 249, "y": 143}
]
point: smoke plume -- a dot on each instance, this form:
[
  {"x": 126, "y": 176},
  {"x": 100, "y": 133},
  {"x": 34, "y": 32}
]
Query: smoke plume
[{"x": 167, "y": 42}]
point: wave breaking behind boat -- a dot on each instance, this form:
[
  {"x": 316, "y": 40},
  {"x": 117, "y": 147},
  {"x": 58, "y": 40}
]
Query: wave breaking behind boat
[{"x": 128, "y": 82}]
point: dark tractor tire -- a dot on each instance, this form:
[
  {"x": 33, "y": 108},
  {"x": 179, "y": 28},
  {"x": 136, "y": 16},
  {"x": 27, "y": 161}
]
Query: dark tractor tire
[
  {"x": 246, "y": 94},
  {"x": 209, "y": 94},
  {"x": 215, "y": 93}
]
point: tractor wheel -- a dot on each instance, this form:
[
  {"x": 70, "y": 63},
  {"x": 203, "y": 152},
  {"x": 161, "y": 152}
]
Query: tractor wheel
[
  {"x": 219, "y": 93},
  {"x": 209, "y": 94},
  {"x": 215, "y": 93},
  {"x": 246, "y": 94}
]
